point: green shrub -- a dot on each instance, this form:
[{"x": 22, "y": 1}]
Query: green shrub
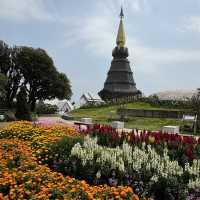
[
  {"x": 169, "y": 189},
  {"x": 60, "y": 151},
  {"x": 22, "y": 108},
  {"x": 34, "y": 116},
  {"x": 43, "y": 108},
  {"x": 9, "y": 116}
]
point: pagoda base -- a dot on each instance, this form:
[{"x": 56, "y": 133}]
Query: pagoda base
[{"x": 109, "y": 95}]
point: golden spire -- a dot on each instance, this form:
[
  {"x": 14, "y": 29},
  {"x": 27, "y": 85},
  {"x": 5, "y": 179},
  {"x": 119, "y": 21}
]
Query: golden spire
[{"x": 121, "y": 34}]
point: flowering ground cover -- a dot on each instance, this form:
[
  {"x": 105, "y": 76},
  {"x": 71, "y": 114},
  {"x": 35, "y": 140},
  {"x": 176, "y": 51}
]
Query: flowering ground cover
[
  {"x": 181, "y": 148},
  {"x": 21, "y": 177},
  {"x": 37, "y": 162},
  {"x": 142, "y": 168},
  {"x": 27, "y": 130}
]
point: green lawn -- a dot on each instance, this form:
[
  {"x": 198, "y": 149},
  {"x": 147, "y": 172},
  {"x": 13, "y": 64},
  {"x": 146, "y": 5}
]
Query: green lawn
[
  {"x": 151, "y": 123},
  {"x": 107, "y": 114}
]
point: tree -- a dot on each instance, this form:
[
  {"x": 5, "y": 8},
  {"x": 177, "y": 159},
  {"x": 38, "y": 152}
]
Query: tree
[
  {"x": 62, "y": 87},
  {"x": 22, "y": 108},
  {"x": 34, "y": 70},
  {"x": 4, "y": 57},
  {"x": 40, "y": 77},
  {"x": 195, "y": 105},
  {"x": 3, "y": 83},
  {"x": 9, "y": 68}
]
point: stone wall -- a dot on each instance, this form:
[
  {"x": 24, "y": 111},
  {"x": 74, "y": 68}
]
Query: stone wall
[{"x": 174, "y": 114}]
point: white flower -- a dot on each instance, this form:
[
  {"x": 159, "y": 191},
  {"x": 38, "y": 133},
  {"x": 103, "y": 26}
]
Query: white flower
[{"x": 129, "y": 157}]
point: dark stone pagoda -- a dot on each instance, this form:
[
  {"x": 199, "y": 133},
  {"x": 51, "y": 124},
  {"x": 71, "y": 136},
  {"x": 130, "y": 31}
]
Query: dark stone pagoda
[{"x": 120, "y": 82}]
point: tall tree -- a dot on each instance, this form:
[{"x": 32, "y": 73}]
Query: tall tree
[
  {"x": 40, "y": 76},
  {"x": 34, "y": 70},
  {"x": 195, "y": 105},
  {"x": 3, "y": 83},
  {"x": 4, "y": 57},
  {"x": 9, "y": 68},
  {"x": 62, "y": 87},
  {"x": 22, "y": 108}
]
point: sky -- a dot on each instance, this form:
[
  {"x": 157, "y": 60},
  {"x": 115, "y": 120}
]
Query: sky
[{"x": 163, "y": 38}]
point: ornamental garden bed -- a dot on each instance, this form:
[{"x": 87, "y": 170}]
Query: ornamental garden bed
[{"x": 38, "y": 162}]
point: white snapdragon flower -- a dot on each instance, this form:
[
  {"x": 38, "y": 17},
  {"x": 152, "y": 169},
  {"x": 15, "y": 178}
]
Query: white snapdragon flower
[{"x": 134, "y": 158}]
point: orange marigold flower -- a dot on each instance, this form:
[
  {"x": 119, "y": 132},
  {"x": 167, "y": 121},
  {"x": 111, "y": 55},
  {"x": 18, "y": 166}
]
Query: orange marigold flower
[
  {"x": 123, "y": 193},
  {"x": 73, "y": 190}
]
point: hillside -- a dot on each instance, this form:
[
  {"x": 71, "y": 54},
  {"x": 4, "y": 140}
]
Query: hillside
[{"x": 107, "y": 114}]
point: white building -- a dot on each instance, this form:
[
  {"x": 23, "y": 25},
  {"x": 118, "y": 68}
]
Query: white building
[
  {"x": 90, "y": 99},
  {"x": 63, "y": 105}
]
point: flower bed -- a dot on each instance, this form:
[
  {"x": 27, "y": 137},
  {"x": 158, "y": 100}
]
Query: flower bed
[
  {"x": 22, "y": 178},
  {"x": 20, "y": 129},
  {"x": 150, "y": 162},
  {"x": 141, "y": 168},
  {"x": 27, "y": 130},
  {"x": 181, "y": 148},
  {"x": 39, "y": 136}
]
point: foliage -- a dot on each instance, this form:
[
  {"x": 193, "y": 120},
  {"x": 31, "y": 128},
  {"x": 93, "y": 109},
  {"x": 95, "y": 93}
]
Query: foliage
[
  {"x": 194, "y": 195},
  {"x": 169, "y": 189},
  {"x": 62, "y": 87},
  {"x": 22, "y": 108},
  {"x": 3, "y": 83},
  {"x": 195, "y": 105},
  {"x": 33, "y": 69},
  {"x": 10, "y": 69},
  {"x": 170, "y": 104},
  {"x": 22, "y": 178},
  {"x": 55, "y": 152},
  {"x": 4, "y": 57},
  {"x": 41, "y": 76},
  {"x": 9, "y": 116},
  {"x": 43, "y": 144},
  {"x": 42, "y": 108},
  {"x": 153, "y": 100}
]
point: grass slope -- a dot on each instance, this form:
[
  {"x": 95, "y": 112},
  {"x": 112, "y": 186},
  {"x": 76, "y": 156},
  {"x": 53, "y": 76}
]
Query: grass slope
[{"x": 107, "y": 114}]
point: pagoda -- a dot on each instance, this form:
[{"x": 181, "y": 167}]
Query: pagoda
[{"x": 120, "y": 82}]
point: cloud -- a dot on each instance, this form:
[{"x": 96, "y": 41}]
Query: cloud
[
  {"x": 95, "y": 30},
  {"x": 98, "y": 33},
  {"x": 23, "y": 10},
  {"x": 192, "y": 24},
  {"x": 137, "y": 5},
  {"x": 99, "y": 30}
]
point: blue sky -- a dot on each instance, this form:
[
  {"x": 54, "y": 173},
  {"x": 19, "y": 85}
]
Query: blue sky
[{"x": 163, "y": 38}]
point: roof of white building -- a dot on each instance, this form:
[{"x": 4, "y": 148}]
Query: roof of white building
[
  {"x": 91, "y": 97},
  {"x": 61, "y": 104}
]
